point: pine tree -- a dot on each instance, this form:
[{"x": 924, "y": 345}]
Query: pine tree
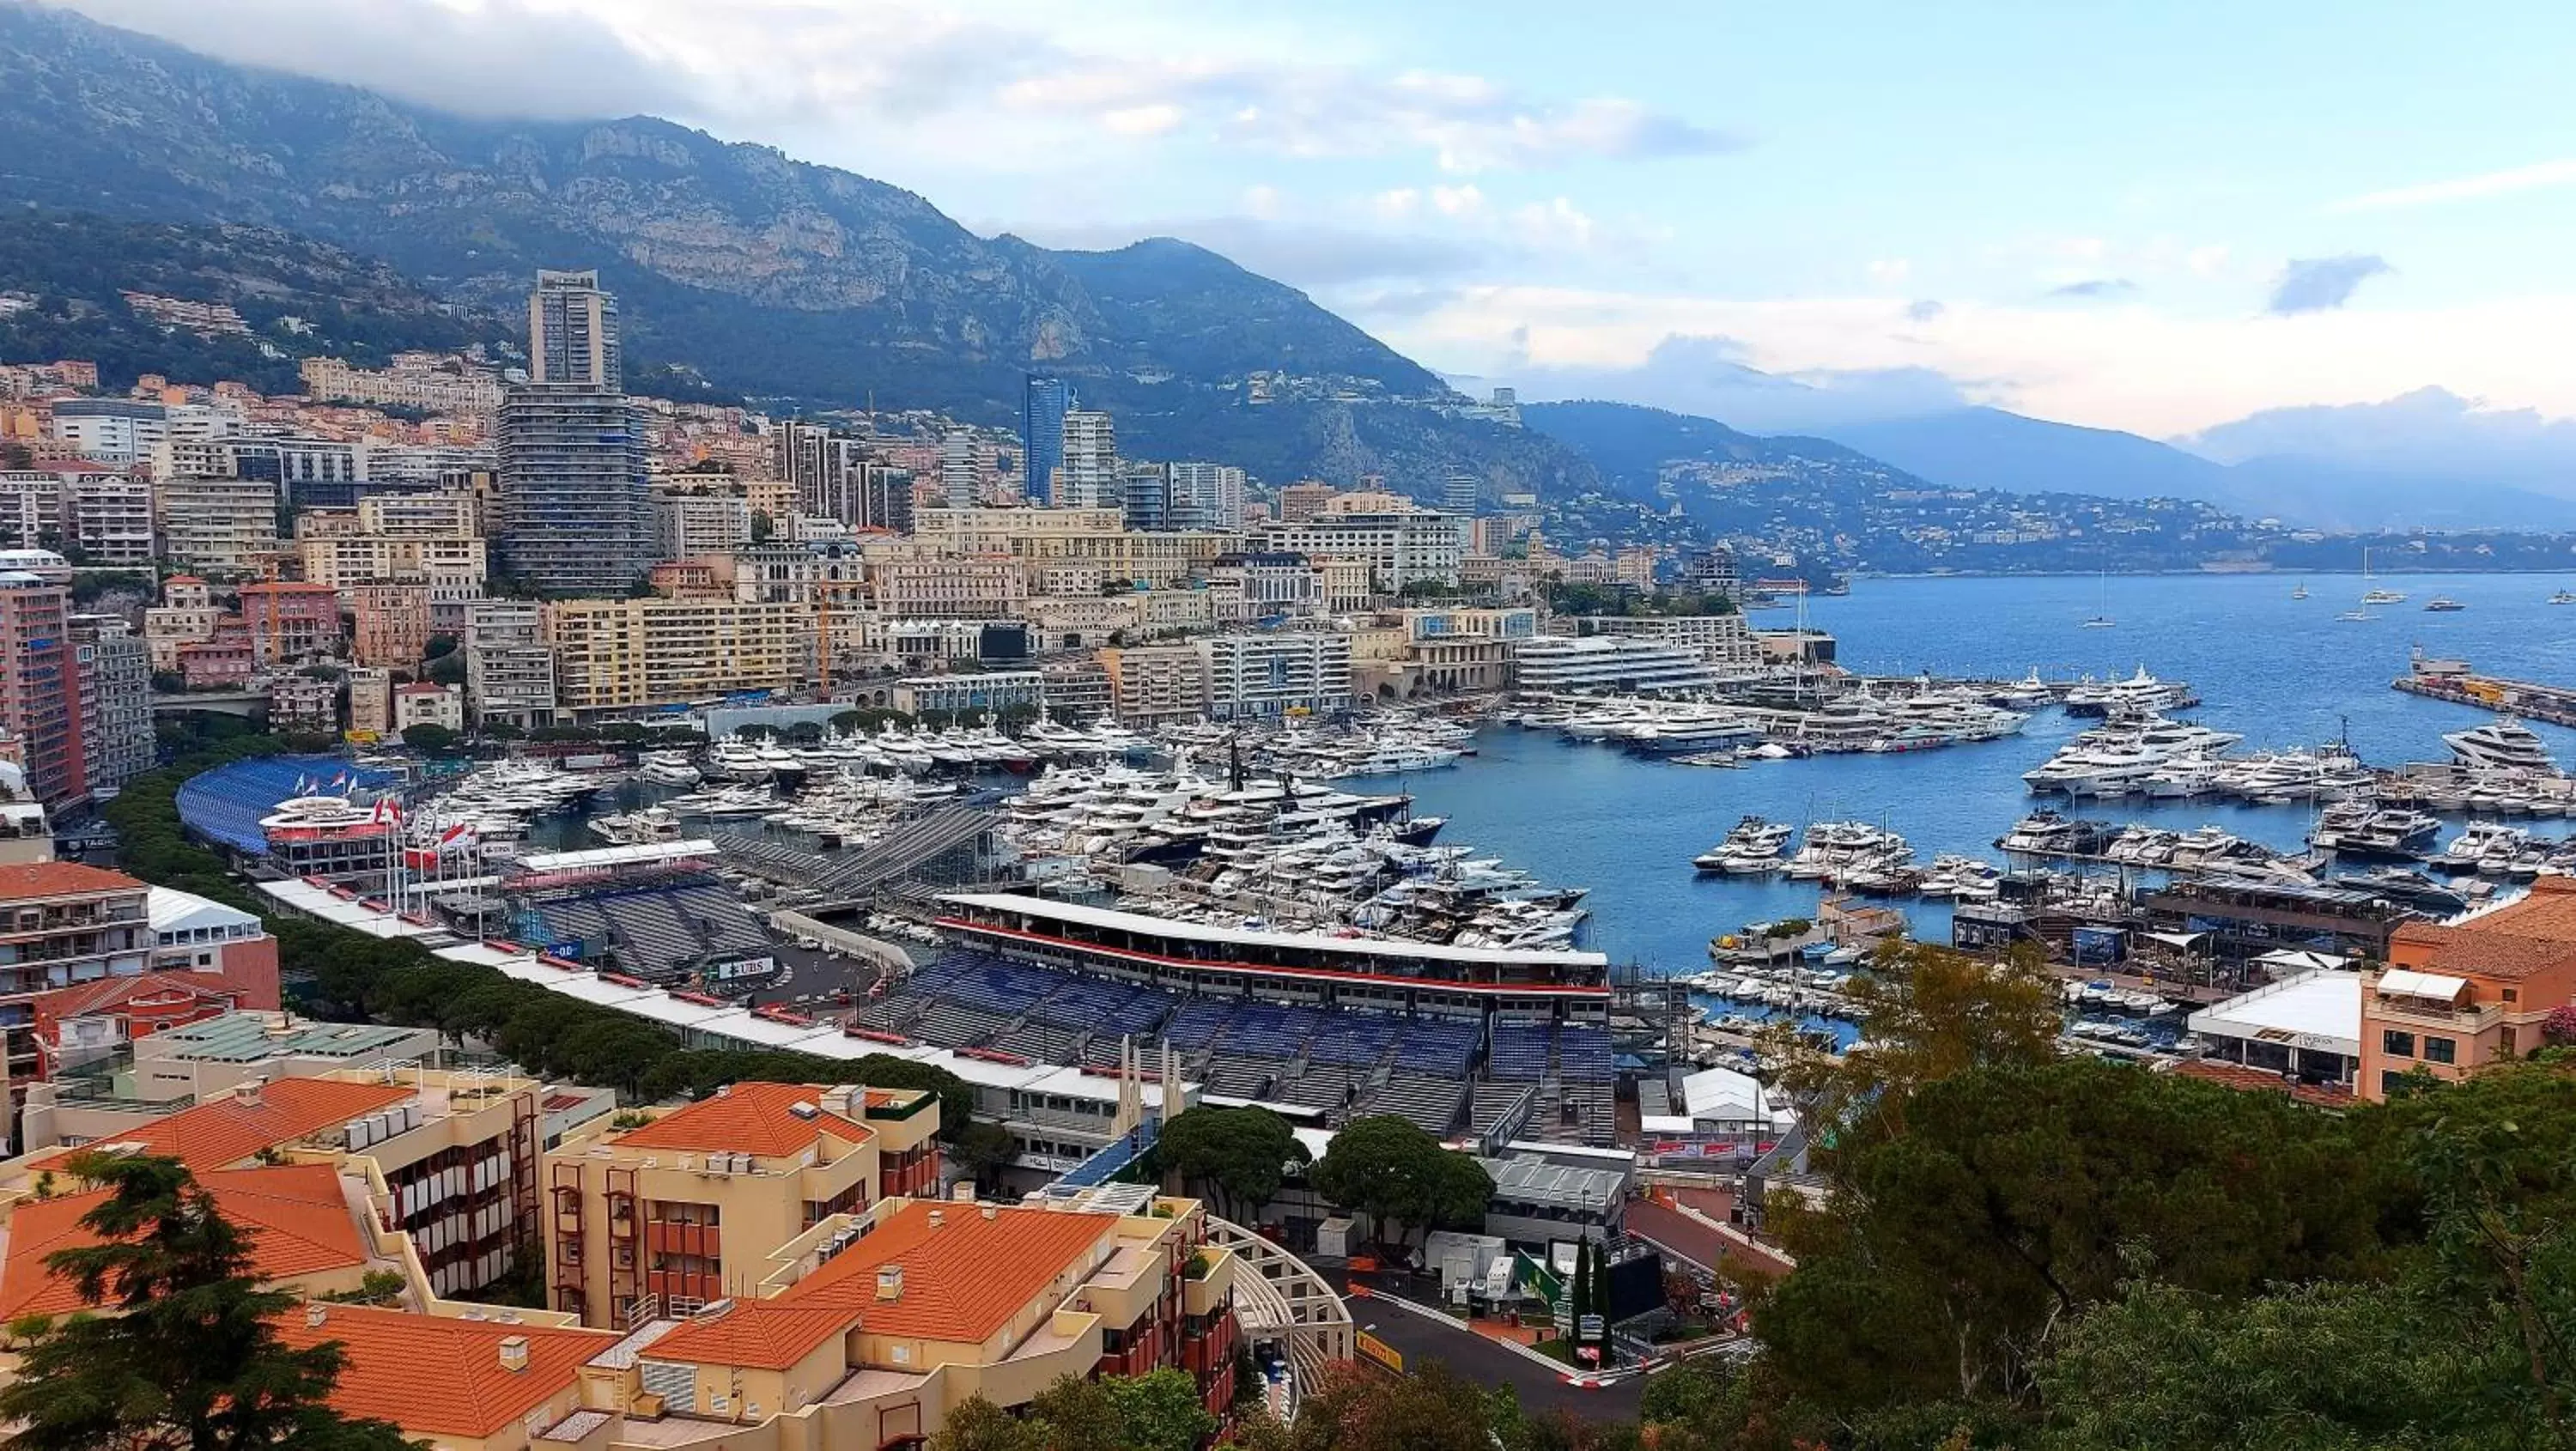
[{"x": 189, "y": 1358}]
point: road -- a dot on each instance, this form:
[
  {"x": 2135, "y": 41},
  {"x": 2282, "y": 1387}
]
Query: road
[{"x": 1422, "y": 1340}]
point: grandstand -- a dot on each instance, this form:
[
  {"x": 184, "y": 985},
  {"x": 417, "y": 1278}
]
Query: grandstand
[
  {"x": 662, "y": 922},
  {"x": 224, "y": 805},
  {"x": 1343, "y": 1063}
]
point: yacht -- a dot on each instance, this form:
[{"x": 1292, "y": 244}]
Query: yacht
[
  {"x": 2354, "y": 829},
  {"x": 1835, "y": 851},
  {"x": 2045, "y": 833},
  {"x": 2503, "y": 742},
  {"x": 1705, "y": 730},
  {"x": 2563, "y": 597},
  {"x": 1753, "y": 848},
  {"x": 2443, "y": 605},
  {"x": 2300, "y": 593},
  {"x": 667, "y": 768},
  {"x": 2373, "y": 595},
  {"x": 2141, "y": 694},
  {"x": 2485, "y": 847}
]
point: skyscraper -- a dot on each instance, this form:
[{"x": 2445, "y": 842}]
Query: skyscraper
[
  {"x": 1089, "y": 473},
  {"x": 1207, "y": 496},
  {"x": 1042, "y": 410},
  {"x": 576, "y": 510},
  {"x": 961, "y": 468},
  {"x": 572, "y": 332},
  {"x": 40, "y": 689}
]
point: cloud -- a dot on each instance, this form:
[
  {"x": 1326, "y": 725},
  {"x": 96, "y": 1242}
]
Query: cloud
[
  {"x": 2321, "y": 284},
  {"x": 1709, "y": 376},
  {"x": 1890, "y": 271},
  {"x": 1923, "y": 309},
  {"x": 504, "y": 58},
  {"x": 2465, "y": 188},
  {"x": 2095, "y": 288}
]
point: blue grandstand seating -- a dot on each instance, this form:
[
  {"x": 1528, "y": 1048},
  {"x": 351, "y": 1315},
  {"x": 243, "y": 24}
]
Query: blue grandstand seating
[
  {"x": 224, "y": 805},
  {"x": 1520, "y": 1051},
  {"x": 1437, "y": 1048}
]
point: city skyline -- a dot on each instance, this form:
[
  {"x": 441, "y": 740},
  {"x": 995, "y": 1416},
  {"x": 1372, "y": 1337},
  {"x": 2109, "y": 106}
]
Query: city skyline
[{"x": 2123, "y": 221}]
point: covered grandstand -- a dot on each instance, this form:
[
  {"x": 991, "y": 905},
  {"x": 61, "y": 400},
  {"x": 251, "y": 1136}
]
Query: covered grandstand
[
  {"x": 656, "y": 918},
  {"x": 224, "y": 805}
]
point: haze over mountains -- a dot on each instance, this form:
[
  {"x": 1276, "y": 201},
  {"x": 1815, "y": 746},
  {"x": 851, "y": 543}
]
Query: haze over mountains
[{"x": 774, "y": 278}]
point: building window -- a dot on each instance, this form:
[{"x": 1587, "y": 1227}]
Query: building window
[
  {"x": 2440, "y": 1050},
  {"x": 2389, "y": 1079},
  {"x": 2396, "y": 1044}
]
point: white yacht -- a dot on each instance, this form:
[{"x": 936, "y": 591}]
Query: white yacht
[
  {"x": 2503, "y": 742},
  {"x": 1753, "y": 848},
  {"x": 1698, "y": 730},
  {"x": 2140, "y": 694},
  {"x": 667, "y": 768},
  {"x": 1835, "y": 851}
]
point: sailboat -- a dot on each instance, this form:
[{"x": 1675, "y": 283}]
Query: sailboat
[
  {"x": 2102, "y": 615},
  {"x": 2563, "y": 597},
  {"x": 2370, "y": 596},
  {"x": 2299, "y": 592}
]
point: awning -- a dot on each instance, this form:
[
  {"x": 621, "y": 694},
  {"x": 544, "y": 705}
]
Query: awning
[
  {"x": 2184, "y": 940},
  {"x": 2406, "y": 984}
]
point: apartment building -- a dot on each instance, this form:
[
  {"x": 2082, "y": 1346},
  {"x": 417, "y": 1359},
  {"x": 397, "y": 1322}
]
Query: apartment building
[
  {"x": 1249, "y": 587},
  {"x": 1401, "y": 548},
  {"x": 388, "y": 624},
  {"x": 689, "y": 1207},
  {"x": 290, "y": 622},
  {"x": 1151, "y": 684},
  {"x": 105, "y": 513},
  {"x": 448, "y": 1158},
  {"x": 2457, "y": 996},
  {"x": 1453, "y": 650},
  {"x": 1607, "y": 662},
  {"x": 117, "y": 431},
  {"x": 1094, "y": 538},
  {"x": 509, "y": 668},
  {"x": 40, "y": 686},
  {"x": 613, "y": 655},
  {"x": 429, "y": 381},
  {"x": 115, "y": 684},
  {"x": 224, "y": 524},
  {"x": 694, "y": 525},
  {"x": 1268, "y": 675},
  {"x": 1300, "y": 502},
  {"x": 454, "y": 566},
  {"x": 63, "y": 924},
  {"x": 1724, "y": 641},
  {"x": 421, "y": 703},
  {"x": 185, "y": 616},
  {"x": 301, "y": 703},
  {"x": 982, "y": 587},
  {"x": 371, "y": 707}
]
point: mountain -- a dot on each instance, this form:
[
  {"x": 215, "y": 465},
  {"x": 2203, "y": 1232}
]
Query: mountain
[
  {"x": 767, "y": 275},
  {"x": 1990, "y": 448},
  {"x": 1827, "y": 504}
]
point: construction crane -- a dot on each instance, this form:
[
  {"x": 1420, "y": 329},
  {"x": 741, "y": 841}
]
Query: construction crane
[{"x": 824, "y": 592}]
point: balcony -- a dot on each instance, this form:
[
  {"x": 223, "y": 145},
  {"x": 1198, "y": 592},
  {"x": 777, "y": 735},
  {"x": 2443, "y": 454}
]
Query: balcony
[
  {"x": 2466, "y": 1021},
  {"x": 1207, "y": 1280}
]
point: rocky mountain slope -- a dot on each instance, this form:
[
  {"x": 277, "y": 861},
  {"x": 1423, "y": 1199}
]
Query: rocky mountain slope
[{"x": 769, "y": 276}]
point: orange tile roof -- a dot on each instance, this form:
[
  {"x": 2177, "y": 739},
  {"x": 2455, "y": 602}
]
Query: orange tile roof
[
  {"x": 438, "y": 1376},
  {"x": 2258, "y": 1080},
  {"x": 21, "y": 880},
  {"x": 747, "y": 1118},
  {"x": 758, "y": 1334},
  {"x": 222, "y": 1132},
  {"x": 2522, "y": 939},
  {"x": 298, "y": 1219},
  {"x": 962, "y": 1281}
]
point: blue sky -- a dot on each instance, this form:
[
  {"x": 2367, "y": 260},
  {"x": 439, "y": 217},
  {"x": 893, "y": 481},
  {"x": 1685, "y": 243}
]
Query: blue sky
[{"x": 2155, "y": 217}]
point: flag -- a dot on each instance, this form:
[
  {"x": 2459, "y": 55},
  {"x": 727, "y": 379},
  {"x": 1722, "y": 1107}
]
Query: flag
[
  {"x": 388, "y": 811},
  {"x": 303, "y": 785}
]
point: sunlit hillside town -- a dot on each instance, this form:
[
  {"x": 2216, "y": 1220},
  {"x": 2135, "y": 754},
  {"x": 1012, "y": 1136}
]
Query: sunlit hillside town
[{"x": 881, "y": 742}]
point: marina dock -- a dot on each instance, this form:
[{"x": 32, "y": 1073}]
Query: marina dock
[{"x": 2454, "y": 681}]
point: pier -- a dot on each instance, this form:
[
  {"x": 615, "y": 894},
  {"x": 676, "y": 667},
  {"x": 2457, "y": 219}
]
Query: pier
[{"x": 2452, "y": 680}]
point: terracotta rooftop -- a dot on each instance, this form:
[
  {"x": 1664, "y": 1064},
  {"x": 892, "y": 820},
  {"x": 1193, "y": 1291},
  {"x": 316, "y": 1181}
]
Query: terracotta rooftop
[
  {"x": 747, "y": 1118},
  {"x": 2258, "y": 1080},
  {"x": 439, "y": 1376},
  {"x": 111, "y": 992},
  {"x": 22, "y": 880},
  {"x": 962, "y": 1281},
  {"x": 298, "y": 1219},
  {"x": 758, "y": 1334},
  {"x": 222, "y": 1132},
  {"x": 2521, "y": 939}
]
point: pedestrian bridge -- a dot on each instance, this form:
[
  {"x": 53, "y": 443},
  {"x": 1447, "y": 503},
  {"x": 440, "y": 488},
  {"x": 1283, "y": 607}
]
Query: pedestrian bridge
[{"x": 249, "y": 705}]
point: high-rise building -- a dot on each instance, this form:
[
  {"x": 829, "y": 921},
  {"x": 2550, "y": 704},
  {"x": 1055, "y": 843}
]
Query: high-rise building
[
  {"x": 961, "y": 467},
  {"x": 1206, "y": 496},
  {"x": 509, "y": 669},
  {"x": 116, "y": 701},
  {"x": 1088, "y": 478},
  {"x": 1043, "y": 407},
  {"x": 572, "y": 332},
  {"x": 576, "y": 508},
  {"x": 1460, "y": 492},
  {"x": 40, "y": 689},
  {"x": 1146, "y": 492}
]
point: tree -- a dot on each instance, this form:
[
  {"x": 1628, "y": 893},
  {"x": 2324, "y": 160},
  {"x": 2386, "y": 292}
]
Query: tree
[
  {"x": 447, "y": 669},
  {"x": 1926, "y": 1013},
  {"x": 1239, "y": 1155},
  {"x": 1354, "y": 1408},
  {"x": 760, "y": 526},
  {"x": 429, "y": 736},
  {"x": 1077, "y": 1413},
  {"x": 190, "y": 1358},
  {"x": 1391, "y": 1170},
  {"x": 1578, "y": 1294},
  {"x": 983, "y": 1149},
  {"x": 1159, "y": 1411},
  {"x": 976, "y": 1424}
]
